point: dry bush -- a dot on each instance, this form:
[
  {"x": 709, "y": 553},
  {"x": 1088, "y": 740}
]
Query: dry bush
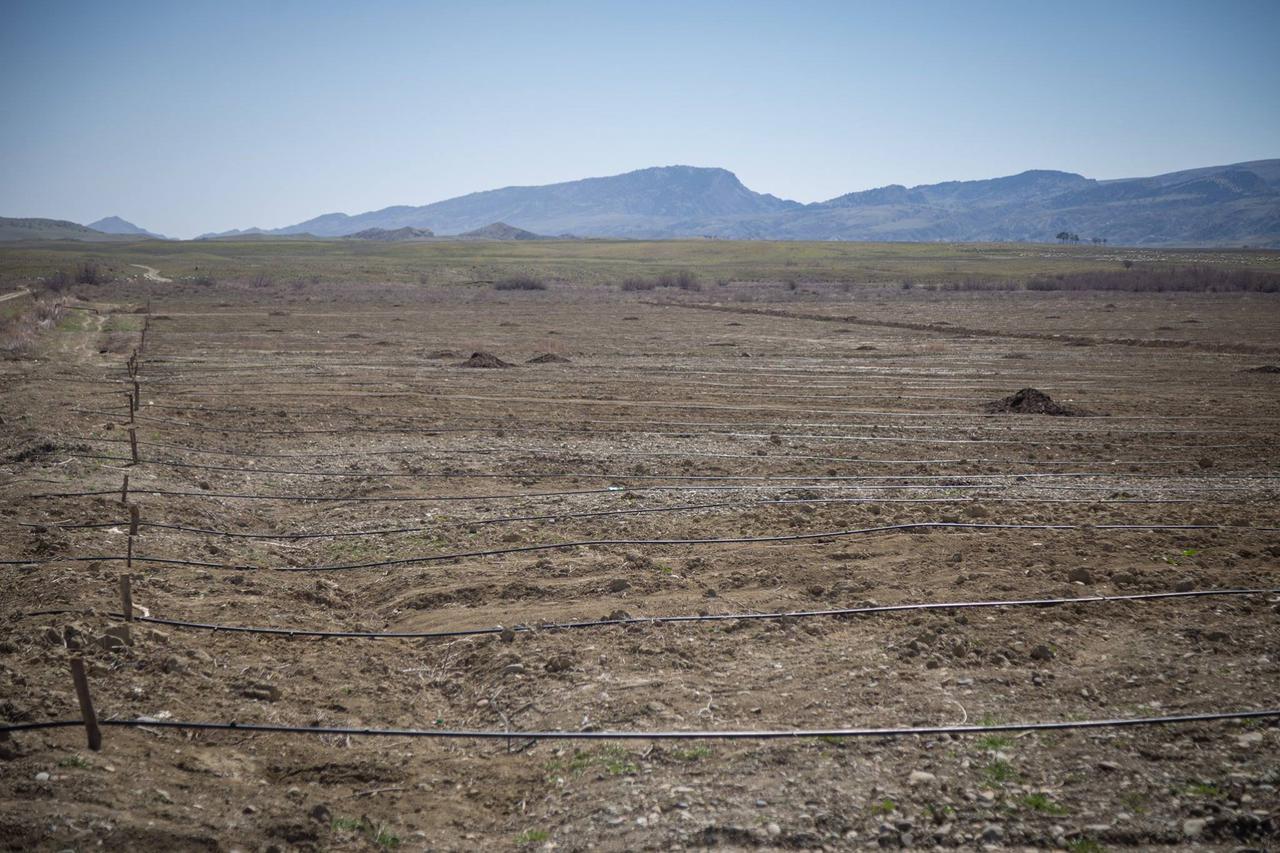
[
  {"x": 635, "y": 283},
  {"x": 520, "y": 282},
  {"x": 1185, "y": 279},
  {"x": 91, "y": 272},
  {"x": 18, "y": 334}
]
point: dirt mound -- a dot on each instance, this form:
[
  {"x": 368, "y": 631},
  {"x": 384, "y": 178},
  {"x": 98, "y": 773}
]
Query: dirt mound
[
  {"x": 484, "y": 359},
  {"x": 1266, "y": 368},
  {"x": 1031, "y": 401},
  {"x": 548, "y": 358}
]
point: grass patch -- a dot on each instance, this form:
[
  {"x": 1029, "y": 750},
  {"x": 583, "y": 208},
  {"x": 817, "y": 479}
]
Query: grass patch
[
  {"x": 1042, "y": 803},
  {"x": 998, "y": 772},
  {"x": 378, "y": 835},
  {"x": 532, "y": 836}
]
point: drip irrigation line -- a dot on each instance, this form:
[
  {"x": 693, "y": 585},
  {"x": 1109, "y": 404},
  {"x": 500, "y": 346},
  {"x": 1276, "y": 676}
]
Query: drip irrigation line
[
  {"x": 479, "y": 522},
  {"x": 453, "y": 498},
  {"x": 427, "y": 451},
  {"x": 613, "y": 475},
  {"x": 608, "y": 543},
  {"x": 868, "y": 610},
  {"x": 706, "y": 734}
]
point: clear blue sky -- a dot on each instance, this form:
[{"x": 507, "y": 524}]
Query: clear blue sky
[{"x": 187, "y": 117}]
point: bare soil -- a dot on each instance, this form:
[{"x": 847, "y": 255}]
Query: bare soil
[{"x": 673, "y": 422}]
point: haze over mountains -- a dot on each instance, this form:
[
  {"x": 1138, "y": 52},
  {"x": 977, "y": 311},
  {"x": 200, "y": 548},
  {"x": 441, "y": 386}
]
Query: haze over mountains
[
  {"x": 1214, "y": 206},
  {"x": 1234, "y": 205}
]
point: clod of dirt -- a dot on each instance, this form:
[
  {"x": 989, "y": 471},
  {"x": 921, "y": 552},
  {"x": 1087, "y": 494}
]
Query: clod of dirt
[
  {"x": 548, "y": 358},
  {"x": 1030, "y": 401},
  {"x": 1266, "y": 368},
  {"x": 443, "y": 353},
  {"x": 484, "y": 359}
]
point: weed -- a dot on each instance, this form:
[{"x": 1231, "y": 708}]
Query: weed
[
  {"x": 1203, "y": 789},
  {"x": 1043, "y": 803},
  {"x": 532, "y": 836},
  {"x": 995, "y": 743},
  {"x": 378, "y": 834},
  {"x": 693, "y": 753},
  {"x": 75, "y": 761},
  {"x": 520, "y": 282},
  {"x": 884, "y": 807},
  {"x": 1084, "y": 845},
  {"x": 998, "y": 772}
]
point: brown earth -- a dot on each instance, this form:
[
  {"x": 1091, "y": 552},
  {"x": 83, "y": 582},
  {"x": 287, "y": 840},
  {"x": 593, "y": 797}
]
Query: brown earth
[{"x": 842, "y": 426}]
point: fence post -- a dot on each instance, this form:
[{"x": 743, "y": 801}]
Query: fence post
[
  {"x": 81, "y": 682},
  {"x": 124, "y": 490},
  {"x": 137, "y": 395},
  {"x": 133, "y": 444},
  {"x": 126, "y": 597},
  {"x": 134, "y": 516}
]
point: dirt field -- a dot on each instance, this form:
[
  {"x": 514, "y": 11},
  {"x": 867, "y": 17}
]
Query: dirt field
[{"x": 783, "y": 411}]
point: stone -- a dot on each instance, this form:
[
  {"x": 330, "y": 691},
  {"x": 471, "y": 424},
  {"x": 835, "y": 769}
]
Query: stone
[
  {"x": 991, "y": 835},
  {"x": 618, "y": 585},
  {"x": 263, "y": 692},
  {"x": 42, "y": 776},
  {"x": 1194, "y": 827},
  {"x": 1080, "y": 575},
  {"x": 773, "y": 829},
  {"x": 1184, "y": 585},
  {"x": 921, "y": 777},
  {"x": 559, "y": 663},
  {"x": 1041, "y": 652}
]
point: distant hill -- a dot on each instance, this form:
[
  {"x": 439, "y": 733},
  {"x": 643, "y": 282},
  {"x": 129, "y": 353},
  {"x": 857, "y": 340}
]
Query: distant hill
[
  {"x": 503, "y": 231},
  {"x": 48, "y": 229},
  {"x": 116, "y": 225},
  {"x": 385, "y": 236},
  {"x": 1213, "y": 206}
]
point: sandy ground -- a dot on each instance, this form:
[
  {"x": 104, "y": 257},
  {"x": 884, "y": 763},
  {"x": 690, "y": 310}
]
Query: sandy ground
[{"x": 667, "y": 421}]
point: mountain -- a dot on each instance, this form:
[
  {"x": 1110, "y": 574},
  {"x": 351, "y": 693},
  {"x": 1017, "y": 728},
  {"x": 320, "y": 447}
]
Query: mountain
[
  {"x": 384, "y": 236},
  {"x": 648, "y": 203},
  {"x": 503, "y": 231},
  {"x": 116, "y": 225},
  {"x": 1212, "y": 206},
  {"x": 48, "y": 229}
]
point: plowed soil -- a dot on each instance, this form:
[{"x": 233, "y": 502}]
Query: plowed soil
[{"x": 267, "y": 417}]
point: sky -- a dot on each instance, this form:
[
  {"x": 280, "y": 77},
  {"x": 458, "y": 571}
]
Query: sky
[{"x": 194, "y": 117}]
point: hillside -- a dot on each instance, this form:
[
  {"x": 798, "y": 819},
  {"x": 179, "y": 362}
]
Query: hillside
[
  {"x": 116, "y": 225},
  {"x": 502, "y": 231},
  {"x": 1213, "y": 206},
  {"x": 15, "y": 229}
]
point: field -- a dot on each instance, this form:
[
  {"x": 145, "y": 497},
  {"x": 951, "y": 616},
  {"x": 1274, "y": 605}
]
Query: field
[{"x": 313, "y": 456}]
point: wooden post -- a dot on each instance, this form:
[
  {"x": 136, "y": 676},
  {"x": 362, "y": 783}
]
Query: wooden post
[
  {"x": 128, "y": 404},
  {"x": 124, "y": 491},
  {"x": 86, "y": 704},
  {"x": 128, "y": 557},
  {"x": 126, "y": 597},
  {"x": 133, "y": 444},
  {"x": 137, "y": 395},
  {"x": 134, "y": 517}
]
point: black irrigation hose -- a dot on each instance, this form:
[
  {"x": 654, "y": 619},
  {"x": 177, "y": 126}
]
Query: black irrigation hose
[
  {"x": 661, "y": 620},
  {"x": 70, "y": 525},
  {"x": 606, "y": 543},
  {"x": 712, "y": 734},
  {"x": 441, "y": 499},
  {"x": 564, "y": 475}
]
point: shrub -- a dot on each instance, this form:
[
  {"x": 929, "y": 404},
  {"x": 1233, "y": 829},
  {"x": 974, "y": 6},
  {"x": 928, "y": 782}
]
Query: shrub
[
  {"x": 90, "y": 273},
  {"x": 57, "y": 282},
  {"x": 1185, "y": 279},
  {"x": 520, "y": 282},
  {"x": 261, "y": 280},
  {"x": 204, "y": 280},
  {"x": 633, "y": 284}
]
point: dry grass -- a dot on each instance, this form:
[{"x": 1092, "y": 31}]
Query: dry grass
[{"x": 18, "y": 335}]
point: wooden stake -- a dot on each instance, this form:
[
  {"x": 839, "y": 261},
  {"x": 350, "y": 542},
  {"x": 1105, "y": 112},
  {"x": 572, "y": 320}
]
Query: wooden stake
[
  {"x": 128, "y": 404},
  {"x": 128, "y": 556},
  {"x": 134, "y": 517},
  {"x": 86, "y": 704},
  {"x": 124, "y": 490},
  {"x": 137, "y": 395},
  {"x": 133, "y": 444},
  {"x": 126, "y": 597}
]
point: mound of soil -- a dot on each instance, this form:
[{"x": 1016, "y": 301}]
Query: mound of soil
[
  {"x": 548, "y": 358},
  {"x": 484, "y": 359},
  {"x": 1266, "y": 368},
  {"x": 1031, "y": 401}
]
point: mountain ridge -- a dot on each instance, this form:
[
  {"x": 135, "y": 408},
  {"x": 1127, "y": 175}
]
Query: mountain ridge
[
  {"x": 1208, "y": 206},
  {"x": 116, "y": 225}
]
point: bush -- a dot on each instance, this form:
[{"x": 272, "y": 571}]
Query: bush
[
  {"x": 58, "y": 282},
  {"x": 90, "y": 273},
  {"x": 204, "y": 280},
  {"x": 633, "y": 284},
  {"x": 261, "y": 281},
  {"x": 520, "y": 282},
  {"x": 1187, "y": 279}
]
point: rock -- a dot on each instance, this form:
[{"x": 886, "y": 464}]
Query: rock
[
  {"x": 320, "y": 814},
  {"x": 1184, "y": 585},
  {"x": 618, "y": 585},
  {"x": 1249, "y": 739},
  {"x": 174, "y": 664},
  {"x": 513, "y": 669},
  {"x": 263, "y": 692},
  {"x": 976, "y": 511},
  {"x": 920, "y": 777},
  {"x": 1194, "y": 827},
  {"x": 507, "y": 635},
  {"x": 773, "y": 829},
  {"x": 559, "y": 663},
  {"x": 991, "y": 835},
  {"x": 42, "y": 776},
  {"x": 1080, "y": 575},
  {"x": 1041, "y": 652},
  {"x": 1124, "y": 579}
]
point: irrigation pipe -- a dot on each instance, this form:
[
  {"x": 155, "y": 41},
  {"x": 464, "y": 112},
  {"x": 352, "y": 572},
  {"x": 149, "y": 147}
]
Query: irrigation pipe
[
  {"x": 711, "y": 734},
  {"x": 606, "y": 543},
  {"x": 869, "y": 610}
]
